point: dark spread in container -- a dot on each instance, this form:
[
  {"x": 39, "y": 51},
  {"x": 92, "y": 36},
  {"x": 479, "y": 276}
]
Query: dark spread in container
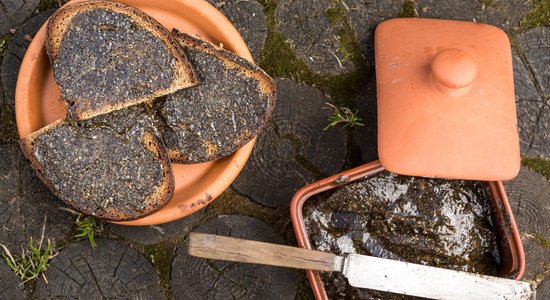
[{"x": 443, "y": 223}]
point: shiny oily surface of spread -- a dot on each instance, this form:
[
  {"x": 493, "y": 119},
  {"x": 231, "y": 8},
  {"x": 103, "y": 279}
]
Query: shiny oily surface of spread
[{"x": 442, "y": 223}]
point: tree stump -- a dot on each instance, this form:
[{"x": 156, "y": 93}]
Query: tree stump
[
  {"x": 529, "y": 195},
  {"x": 314, "y": 33},
  {"x": 249, "y": 19},
  {"x": 292, "y": 150},
  {"x": 25, "y": 202},
  {"x": 197, "y": 278},
  {"x": 10, "y": 286},
  {"x": 364, "y": 16},
  {"x": 154, "y": 234},
  {"x": 366, "y": 137},
  {"x": 15, "y": 52},
  {"x": 543, "y": 290},
  {"x": 112, "y": 270},
  {"x": 14, "y": 12},
  {"x": 532, "y": 88},
  {"x": 505, "y": 14}
]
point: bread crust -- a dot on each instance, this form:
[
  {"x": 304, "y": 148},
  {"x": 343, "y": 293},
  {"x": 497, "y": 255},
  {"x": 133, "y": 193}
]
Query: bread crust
[{"x": 183, "y": 73}]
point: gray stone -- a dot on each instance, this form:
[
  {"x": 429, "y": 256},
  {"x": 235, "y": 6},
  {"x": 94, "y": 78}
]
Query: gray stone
[
  {"x": 14, "y": 12},
  {"x": 292, "y": 150},
  {"x": 249, "y": 19},
  {"x": 15, "y": 52},
  {"x": 26, "y": 204},
  {"x": 532, "y": 88},
  {"x": 311, "y": 35},
  {"x": 365, "y": 15},
  {"x": 154, "y": 234},
  {"x": 505, "y": 14}
]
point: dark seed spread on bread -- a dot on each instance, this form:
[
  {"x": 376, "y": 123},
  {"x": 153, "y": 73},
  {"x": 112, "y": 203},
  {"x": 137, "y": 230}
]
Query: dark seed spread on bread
[
  {"x": 127, "y": 120},
  {"x": 106, "y": 57},
  {"x": 98, "y": 170},
  {"x": 213, "y": 119}
]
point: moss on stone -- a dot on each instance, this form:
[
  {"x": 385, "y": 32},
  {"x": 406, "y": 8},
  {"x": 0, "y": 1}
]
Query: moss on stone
[
  {"x": 538, "y": 16},
  {"x": 408, "y": 10},
  {"x": 161, "y": 256},
  {"x": 537, "y": 164}
]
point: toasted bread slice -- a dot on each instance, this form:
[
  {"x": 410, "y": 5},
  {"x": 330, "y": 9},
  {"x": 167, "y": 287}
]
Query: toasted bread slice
[
  {"x": 108, "y": 55},
  {"x": 230, "y": 106},
  {"x": 99, "y": 172}
]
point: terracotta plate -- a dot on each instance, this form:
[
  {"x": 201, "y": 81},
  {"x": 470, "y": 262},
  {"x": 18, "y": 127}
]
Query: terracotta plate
[{"x": 37, "y": 102}]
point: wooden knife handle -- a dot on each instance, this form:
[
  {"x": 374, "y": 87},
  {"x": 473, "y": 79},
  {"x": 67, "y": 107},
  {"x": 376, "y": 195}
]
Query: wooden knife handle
[{"x": 233, "y": 249}]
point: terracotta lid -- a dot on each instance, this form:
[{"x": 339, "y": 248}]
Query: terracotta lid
[{"x": 446, "y": 105}]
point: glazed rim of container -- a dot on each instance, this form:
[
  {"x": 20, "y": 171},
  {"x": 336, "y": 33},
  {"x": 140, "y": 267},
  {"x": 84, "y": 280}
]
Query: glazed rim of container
[{"x": 513, "y": 256}]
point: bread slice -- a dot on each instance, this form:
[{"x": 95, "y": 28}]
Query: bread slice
[
  {"x": 230, "y": 106},
  {"x": 108, "y": 55},
  {"x": 100, "y": 172}
]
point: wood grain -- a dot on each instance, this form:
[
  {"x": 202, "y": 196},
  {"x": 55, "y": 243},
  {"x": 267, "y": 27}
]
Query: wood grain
[
  {"x": 112, "y": 270},
  {"x": 232, "y": 249}
]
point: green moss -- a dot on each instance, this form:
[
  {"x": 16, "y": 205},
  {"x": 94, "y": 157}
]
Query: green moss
[
  {"x": 408, "y": 10},
  {"x": 49, "y": 4},
  {"x": 279, "y": 61},
  {"x": 537, "y": 164},
  {"x": 542, "y": 241},
  {"x": 487, "y": 3},
  {"x": 4, "y": 44},
  {"x": 538, "y": 16},
  {"x": 335, "y": 13},
  {"x": 161, "y": 256}
]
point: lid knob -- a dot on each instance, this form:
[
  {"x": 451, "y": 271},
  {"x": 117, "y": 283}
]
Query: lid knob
[{"x": 453, "y": 71}]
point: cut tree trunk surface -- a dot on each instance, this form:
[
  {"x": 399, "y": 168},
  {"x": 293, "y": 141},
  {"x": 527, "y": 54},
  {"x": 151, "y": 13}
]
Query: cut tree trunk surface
[
  {"x": 154, "y": 234},
  {"x": 293, "y": 150},
  {"x": 529, "y": 195},
  {"x": 197, "y": 278},
  {"x": 543, "y": 290},
  {"x": 249, "y": 19},
  {"x": 505, "y": 14},
  {"x": 366, "y": 137},
  {"x": 313, "y": 29},
  {"x": 25, "y": 202},
  {"x": 364, "y": 16},
  {"x": 14, "y": 12},
  {"x": 532, "y": 88},
  {"x": 112, "y": 270},
  {"x": 10, "y": 286},
  {"x": 15, "y": 52}
]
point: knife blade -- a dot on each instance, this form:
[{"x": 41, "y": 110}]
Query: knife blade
[{"x": 364, "y": 271}]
